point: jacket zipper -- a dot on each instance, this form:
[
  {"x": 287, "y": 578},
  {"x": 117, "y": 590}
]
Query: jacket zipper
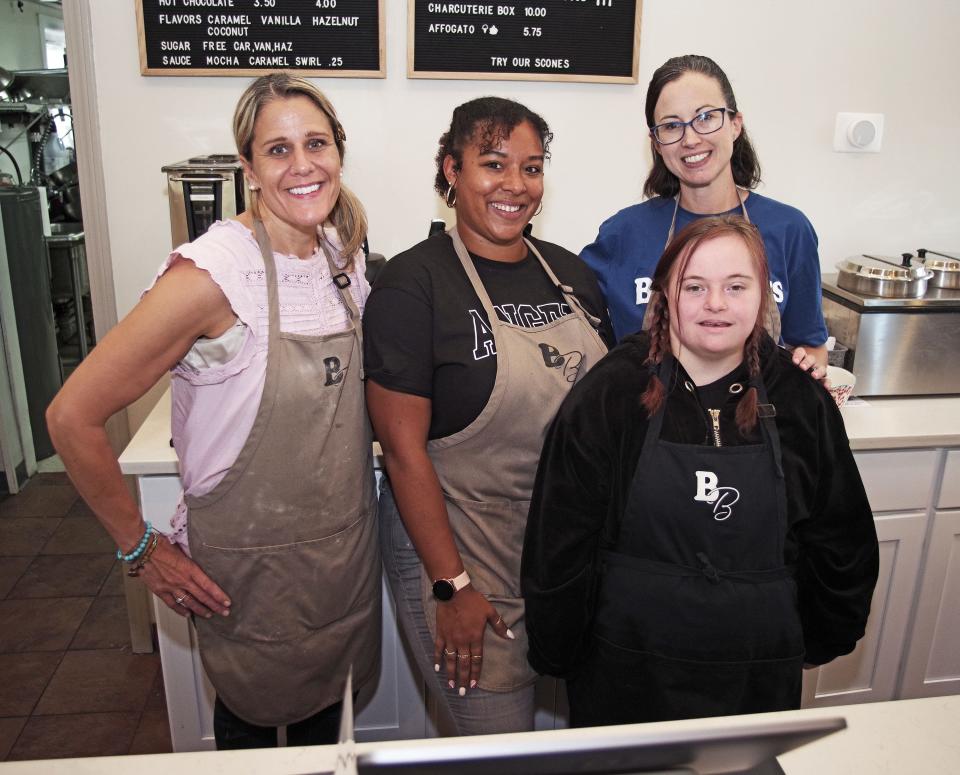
[{"x": 715, "y": 420}]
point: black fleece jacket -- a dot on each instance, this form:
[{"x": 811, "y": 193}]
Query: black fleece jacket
[{"x": 583, "y": 484}]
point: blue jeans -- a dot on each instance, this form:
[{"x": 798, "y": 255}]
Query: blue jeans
[{"x": 479, "y": 712}]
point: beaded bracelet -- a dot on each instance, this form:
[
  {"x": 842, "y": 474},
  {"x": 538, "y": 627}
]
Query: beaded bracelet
[
  {"x": 134, "y": 570},
  {"x": 140, "y": 547}
]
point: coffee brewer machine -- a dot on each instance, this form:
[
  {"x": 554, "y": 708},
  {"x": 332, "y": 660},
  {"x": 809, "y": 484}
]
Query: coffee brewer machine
[{"x": 203, "y": 189}]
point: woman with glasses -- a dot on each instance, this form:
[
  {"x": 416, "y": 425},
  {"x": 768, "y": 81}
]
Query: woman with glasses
[{"x": 704, "y": 164}]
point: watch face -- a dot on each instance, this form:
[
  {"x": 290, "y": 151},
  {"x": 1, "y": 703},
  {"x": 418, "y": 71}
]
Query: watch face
[{"x": 443, "y": 589}]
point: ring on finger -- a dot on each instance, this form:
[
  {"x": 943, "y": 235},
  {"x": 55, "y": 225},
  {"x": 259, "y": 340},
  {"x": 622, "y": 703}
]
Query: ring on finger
[
  {"x": 181, "y": 598},
  {"x": 463, "y": 656},
  {"x": 450, "y": 653},
  {"x": 477, "y": 656}
]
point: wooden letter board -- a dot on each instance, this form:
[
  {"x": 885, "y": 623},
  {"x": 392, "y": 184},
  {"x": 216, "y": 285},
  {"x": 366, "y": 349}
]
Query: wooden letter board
[
  {"x": 529, "y": 40},
  {"x": 334, "y": 38}
]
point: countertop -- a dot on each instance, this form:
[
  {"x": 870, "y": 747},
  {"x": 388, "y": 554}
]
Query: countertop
[
  {"x": 874, "y": 423},
  {"x": 906, "y": 736}
]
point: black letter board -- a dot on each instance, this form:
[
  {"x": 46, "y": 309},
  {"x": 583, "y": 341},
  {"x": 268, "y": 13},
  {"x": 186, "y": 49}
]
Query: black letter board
[
  {"x": 251, "y": 37},
  {"x": 529, "y": 40}
]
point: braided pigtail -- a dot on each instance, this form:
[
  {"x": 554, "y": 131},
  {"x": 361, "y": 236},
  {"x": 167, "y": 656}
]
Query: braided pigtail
[
  {"x": 747, "y": 408},
  {"x": 653, "y": 396}
]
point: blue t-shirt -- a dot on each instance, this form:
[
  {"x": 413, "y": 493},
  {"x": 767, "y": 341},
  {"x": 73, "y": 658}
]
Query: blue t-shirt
[{"x": 630, "y": 243}]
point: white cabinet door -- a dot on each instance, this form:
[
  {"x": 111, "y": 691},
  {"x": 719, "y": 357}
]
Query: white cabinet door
[
  {"x": 933, "y": 659},
  {"x": 870, "y": 672}
]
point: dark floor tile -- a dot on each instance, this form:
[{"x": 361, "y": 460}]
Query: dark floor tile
[
  {"x": 80, "y": 509},
  {"x": 83, "y": 734},
  {"x": 25, "y": 536},
  {"x": 51, "y": 477},
  {"x": 38, "y": 500},
  {"x": 153, "y": 734},
  {"x": 25, "y": 676},
  {"x": 9, "y": 732},
  {"x": 40, "y": 625},
  {"x": 71, "y": 575},
  {"x": 79, "y": 536},
  {"x": 113, "y": 584},
  {"x": 105, "y": 626},
  {"x": 99, "y": 681},
  {"x": 157, "y": 698},
  {"x": 11, "y": 569}
]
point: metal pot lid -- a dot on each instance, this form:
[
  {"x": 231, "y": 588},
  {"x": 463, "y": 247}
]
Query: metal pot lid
[
  {"x": 939, "y": 260},
  {"x": 883, "y": 268}
]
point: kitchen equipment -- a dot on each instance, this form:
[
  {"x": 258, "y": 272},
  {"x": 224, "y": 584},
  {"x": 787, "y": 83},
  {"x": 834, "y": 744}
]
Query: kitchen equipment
[
  {"x": 202, "y": 190},
  {"x": 879, "y": 276},
  {"x": 841, "y": 384},
  {"x": 945, "y": 268},
  {"x": 898, "y": 346}
]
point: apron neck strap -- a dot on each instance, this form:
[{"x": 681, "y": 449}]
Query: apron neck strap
[
  {"x": 270, "y": 268},
  {"x": 676, "y": 207}
]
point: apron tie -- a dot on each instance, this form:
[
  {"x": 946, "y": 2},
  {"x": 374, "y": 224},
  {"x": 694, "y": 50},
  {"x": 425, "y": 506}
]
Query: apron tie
[{"x": 708, "y": 569}]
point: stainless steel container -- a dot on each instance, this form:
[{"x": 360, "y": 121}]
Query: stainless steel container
[
  {"x": 899, "y": 347},
  {"x": 202, "y": 190},
  {"x": 945, "y": 268},
  {"x": 883, "y": 276}
]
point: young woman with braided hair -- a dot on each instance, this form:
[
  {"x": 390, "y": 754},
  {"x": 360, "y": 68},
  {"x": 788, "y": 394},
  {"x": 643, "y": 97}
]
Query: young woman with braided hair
[{"x": 698, "y": 531}]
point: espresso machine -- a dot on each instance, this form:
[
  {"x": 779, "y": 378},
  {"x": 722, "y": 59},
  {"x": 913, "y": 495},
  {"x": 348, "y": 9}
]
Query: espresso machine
[{"x": 202, "y": 190}]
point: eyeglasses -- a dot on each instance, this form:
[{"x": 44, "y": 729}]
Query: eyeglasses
[{"x": 704, "y": 123}]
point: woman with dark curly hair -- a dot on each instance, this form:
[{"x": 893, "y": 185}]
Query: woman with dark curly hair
[
  {"x": 704, "y": 164},
  {"x": 698, "y": 530},
  {"x": 472, "y": 339}
]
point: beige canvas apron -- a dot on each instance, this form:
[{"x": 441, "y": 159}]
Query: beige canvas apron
[
  {"x": 289, "y": 533},
  {"x": 486, "y": 470},
  {"x": 772, "y": 319}
]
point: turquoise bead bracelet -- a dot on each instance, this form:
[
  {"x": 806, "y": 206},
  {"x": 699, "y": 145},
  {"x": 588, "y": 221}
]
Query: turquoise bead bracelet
[{"x": 140, "y": 547}]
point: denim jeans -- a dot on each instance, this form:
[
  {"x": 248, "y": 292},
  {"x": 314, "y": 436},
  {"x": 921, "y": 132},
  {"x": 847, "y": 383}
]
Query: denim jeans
[
  {"x": 479, "y": 712},
  {"x": 233, "y": 733}
]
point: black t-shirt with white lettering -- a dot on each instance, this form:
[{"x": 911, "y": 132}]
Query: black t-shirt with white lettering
[{"x": 426, "y": 333}]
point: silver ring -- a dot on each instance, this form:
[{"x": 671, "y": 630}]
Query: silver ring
[
  {"x": 477, "y": 656},
  {"x": 181, "y": 599},
  {"x": 463, "y": 656},
  {"x": 449, "y": 653}
]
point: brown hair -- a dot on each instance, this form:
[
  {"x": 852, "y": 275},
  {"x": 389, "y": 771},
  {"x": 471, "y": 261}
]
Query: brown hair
[
  {"x": 673, "y": 263},
  {"x": 347, "y": 216},
  {"x": 744, "y": 163}
]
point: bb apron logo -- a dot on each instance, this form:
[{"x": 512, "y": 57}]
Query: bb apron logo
[
  {"x": 722, "y": 498},
  {"x": 333, "y": 373}
]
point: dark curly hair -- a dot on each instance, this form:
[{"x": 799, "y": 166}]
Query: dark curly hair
[
  {"x": 744, "y": 162},
  {"x": 486, "y": 121}
]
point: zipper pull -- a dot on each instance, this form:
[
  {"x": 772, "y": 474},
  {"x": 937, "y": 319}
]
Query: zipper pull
[{"x": 715, "y": 419}]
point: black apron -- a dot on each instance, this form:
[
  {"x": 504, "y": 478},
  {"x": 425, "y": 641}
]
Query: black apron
[{"x": 697, "y": 615}]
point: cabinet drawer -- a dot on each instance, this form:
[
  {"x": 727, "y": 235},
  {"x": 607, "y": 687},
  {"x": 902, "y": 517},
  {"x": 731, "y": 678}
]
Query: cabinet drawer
[
  {"x": 896, "y": 481},
  {"x": 950, "y": 490}
]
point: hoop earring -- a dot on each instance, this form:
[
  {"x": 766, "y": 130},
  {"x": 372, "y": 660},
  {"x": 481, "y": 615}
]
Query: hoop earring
[
  {"x": 539, "y": 210},
  {"x": 451, "y": 197}
]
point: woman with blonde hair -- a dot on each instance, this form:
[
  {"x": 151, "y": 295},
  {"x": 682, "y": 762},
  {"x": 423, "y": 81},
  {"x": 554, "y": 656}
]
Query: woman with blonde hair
[
  {"x": 273, "y": 549},
  {"x": 699, "y": 531}
]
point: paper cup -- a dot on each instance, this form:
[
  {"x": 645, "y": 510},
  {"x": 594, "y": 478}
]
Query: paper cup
[{"x": 841, "y": 383}]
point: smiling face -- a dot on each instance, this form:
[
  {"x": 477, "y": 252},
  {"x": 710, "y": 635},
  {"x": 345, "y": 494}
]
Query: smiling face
[
  {"x": 498, "y": 191},
  {"x": 698, "y": 161},
  {"x": 295, "y": 164},
  {"x": 715, "y": 305}
]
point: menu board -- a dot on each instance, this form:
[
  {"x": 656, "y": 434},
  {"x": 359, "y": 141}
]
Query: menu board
[
  {"x": 335, "y": 38},
  {"x": 542, "y": 40}
]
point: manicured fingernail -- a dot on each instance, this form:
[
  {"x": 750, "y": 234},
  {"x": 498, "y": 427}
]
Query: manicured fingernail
[
  {"x": 208, "y": 616},
  {"x": 510, "y": 634},
  {"x": 226, "y": 612},
  {"x": 463, "y": 691},
  {"x": 226, "y": 602},
  {"x": 450, "y": 684},
  {"x": 473, "y": 684},
  {"x": 436, "y": 668}
]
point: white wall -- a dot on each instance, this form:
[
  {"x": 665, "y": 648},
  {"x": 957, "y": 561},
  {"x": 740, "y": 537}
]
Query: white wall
[
  {"x": 793, "y": 67},
  {"x": 20, "y": 37}
]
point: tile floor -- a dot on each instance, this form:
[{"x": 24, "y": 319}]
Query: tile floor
[{"x": 69, "y": 683}]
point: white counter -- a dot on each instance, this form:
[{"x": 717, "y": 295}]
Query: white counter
[
  {"x": 884, "y": 423},
  {"x": 909, "y": 736}
]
